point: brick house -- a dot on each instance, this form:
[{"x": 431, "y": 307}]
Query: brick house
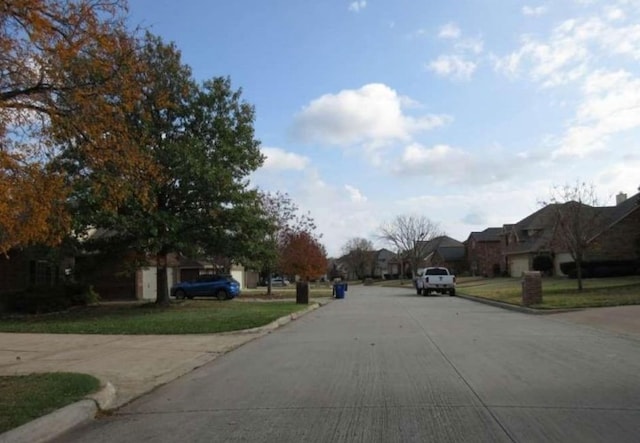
[
  {"x": 33, "y": 266},
  {"x": 484, "y": 252},
  {"x": 620, "y": 238},
  {"x": 446, "y": 252},
  {"x": 377, "y": 264},
  {"x": 616, "y": 237}
]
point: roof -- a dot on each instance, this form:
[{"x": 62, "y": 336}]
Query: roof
[
  {"x": 488, "y": 235},
  {"x": 454, "y": 253},
  {"x": 434, "y": 244},
  {"x": 535, "y": 231}
]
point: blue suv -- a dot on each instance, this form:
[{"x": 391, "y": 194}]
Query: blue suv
[{"x": 222, "y": 287}]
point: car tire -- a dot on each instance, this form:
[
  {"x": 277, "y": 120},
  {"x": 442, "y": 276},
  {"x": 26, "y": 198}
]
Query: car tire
[
  {"x": 424, "y": 292},
  {"x": 180, "y": 294},
  {"x": 221, "y": 294}
]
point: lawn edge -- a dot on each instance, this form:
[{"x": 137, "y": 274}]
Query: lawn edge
[
  {"x": 517, "y": 308},
  {"x": 56, "y": 423}
]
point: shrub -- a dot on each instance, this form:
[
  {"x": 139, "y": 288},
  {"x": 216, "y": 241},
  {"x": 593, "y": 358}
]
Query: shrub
[
  {"x": 542, "y": 263},
  {"x": 43, "y": 299},
  {"x": 601, "y": 268}
]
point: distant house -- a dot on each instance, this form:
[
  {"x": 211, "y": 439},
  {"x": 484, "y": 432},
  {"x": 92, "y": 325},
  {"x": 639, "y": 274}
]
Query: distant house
[
  {"x": 444, "y": 251},
  {"x": 377, "y": 264},
  {"x": 386, "y": 264},
  {"x": 484, "y": 252},
  {"x": 618, "y": 230}
]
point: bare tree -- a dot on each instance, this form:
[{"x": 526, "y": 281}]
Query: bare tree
[
  {"x": 359, "y": 256},
  {"x": 578, "y": 219},
  {"x": 409, "y": 235}
]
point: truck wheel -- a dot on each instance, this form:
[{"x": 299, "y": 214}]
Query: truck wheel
[
  {"x": 418, "y": 291},
  {"x": 452, "y": 292},
  {"x": 425, "y": 292}
]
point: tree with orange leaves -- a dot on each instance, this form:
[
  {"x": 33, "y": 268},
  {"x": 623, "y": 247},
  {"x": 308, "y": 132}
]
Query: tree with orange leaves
[
  {"x": 67, "y": 81},
  {"x": 303, "y": 255}
]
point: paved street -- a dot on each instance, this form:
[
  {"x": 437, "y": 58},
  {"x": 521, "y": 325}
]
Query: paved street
[{"x": 385, "y": 365}]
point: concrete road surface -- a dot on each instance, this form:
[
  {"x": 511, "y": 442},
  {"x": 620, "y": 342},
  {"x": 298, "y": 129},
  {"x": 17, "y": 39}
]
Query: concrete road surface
[{"x": 386, "y": 365}]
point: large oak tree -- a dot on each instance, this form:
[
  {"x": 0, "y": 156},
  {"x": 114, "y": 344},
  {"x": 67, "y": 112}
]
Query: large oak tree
[
  {"x": 200, "y": 138},
  {"x": 68, "y": 76}
]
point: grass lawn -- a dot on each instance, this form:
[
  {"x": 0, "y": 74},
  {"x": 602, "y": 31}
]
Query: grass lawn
[
  {"x": 284, "y": 292},
  {"x": 559, "y": 293},
  {"x": 186, "y": 317},
  {"x": 26, "y": 397}
]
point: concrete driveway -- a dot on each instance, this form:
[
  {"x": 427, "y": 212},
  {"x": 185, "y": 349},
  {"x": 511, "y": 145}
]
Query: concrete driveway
[{"x": 386, "y": 365}]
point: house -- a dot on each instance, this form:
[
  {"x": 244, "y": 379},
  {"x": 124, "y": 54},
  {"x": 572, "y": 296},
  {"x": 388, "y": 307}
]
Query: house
[
  {"x": 355, "y": 265},
  {"x": 32, "y": 266},
  {"x": 617, "y": 230},
  {"x": 113, "y": 276},
  {"x": 386, "y": 264},
  {"x": 444, "y": 251},
  {"x": 484, "y": 252}
]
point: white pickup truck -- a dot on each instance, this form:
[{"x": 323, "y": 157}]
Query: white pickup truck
[{"x": 435, "y": 279}]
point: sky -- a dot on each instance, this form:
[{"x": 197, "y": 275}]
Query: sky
[{"x": 466, "y": 112}]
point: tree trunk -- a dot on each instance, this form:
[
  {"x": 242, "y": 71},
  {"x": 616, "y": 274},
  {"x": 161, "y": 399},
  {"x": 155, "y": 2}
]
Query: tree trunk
[
  {"x": 162, "y": 294},
  {"x": 579, "y": 272},
  {"x": 269, "y": 282},
  {"x": 302, "y": 292}
]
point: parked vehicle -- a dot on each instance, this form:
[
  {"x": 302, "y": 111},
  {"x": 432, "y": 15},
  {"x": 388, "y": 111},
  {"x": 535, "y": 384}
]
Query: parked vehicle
[
  {"x": 222, "y": 287},
  {"x": 279, "y": 281},
  {"x": 435, "y": 279}
]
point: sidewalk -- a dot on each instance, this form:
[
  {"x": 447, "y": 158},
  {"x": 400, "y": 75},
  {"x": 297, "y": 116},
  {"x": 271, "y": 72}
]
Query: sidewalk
[
  {"x": 132, "y": 364},
  {"x": 618, "y": 319}
]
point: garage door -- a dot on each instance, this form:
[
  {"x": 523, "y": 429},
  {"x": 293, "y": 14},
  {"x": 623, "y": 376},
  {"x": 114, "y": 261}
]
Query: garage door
[
  {"x": 238, "y": 275},
  {"x": 518, "y": 265},
  {"x": 563, "y": 257},
  {"x": 149, "y": 284}
]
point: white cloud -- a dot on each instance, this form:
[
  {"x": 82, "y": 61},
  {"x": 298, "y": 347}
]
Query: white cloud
[
  {"x": 355, "y": 194},
  {"x": 279, "y": 160},
  {"x": 534, "y": 10},
  {"x": 372, "y": 114},
  {"x": 473, "y": 45},
  {"x": 557, "y": 62},
  {"x": 358, "y": 5},
  {"x": 611, "y": 105},
  {"x": 453, "y": 66},
  {"x": 614, "y": 13},
  {"x": 449, "y": 31},
  {"x": 441, "y": 160},
  {"x": 573, "y": 48}
]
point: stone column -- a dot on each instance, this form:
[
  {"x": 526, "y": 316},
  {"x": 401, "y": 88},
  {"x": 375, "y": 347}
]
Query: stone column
[{"x": 531, "y": 288}]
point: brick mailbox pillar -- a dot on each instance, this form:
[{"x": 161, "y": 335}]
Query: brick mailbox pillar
[{"x": 531, "y": 288}]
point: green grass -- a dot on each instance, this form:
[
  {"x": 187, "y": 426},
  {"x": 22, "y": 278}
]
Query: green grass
[
  {"x": 559, "y": 293},
  {"x": 27, "y": 397},
  {"x": 316, "y": 290},
  {"x": 188, "y": 317}
]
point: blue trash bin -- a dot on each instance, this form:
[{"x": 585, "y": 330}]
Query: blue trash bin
[{"x": 339, "y": 289}]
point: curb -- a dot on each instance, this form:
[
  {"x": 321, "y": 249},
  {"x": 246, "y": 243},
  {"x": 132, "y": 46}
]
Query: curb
[
  {"x": 510, "y": 307},
  {"x": 282, "y": 320},
  {"x": 52, "y": 425}
]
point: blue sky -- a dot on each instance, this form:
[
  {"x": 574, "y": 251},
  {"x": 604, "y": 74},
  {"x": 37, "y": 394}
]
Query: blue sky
[{"x": 466, "y": 112}]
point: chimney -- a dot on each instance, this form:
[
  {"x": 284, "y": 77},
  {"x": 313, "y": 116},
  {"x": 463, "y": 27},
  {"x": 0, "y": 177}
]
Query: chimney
[{"x": 621, "y": 198}]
